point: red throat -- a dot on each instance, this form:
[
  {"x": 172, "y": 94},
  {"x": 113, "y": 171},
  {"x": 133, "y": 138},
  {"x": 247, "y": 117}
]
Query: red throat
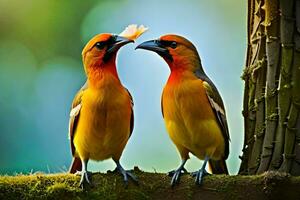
[
  {"x": 96, "y": 73},
  {"x": 177, "y": 67},
  {"x": 175, "y": 76}
]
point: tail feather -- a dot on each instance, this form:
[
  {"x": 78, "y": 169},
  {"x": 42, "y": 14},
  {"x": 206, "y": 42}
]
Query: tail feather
[
  {"x": 75, "y": 165},
  {"x": 218, "y": 166}
]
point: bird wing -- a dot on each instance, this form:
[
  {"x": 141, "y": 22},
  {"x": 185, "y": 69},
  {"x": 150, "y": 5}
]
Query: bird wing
[
  {"x": 219, "y": 110},
  {"x": 132, "y": 114},
  {"x": 74, "y": 115},
  {"x": 161, "y": 105}
]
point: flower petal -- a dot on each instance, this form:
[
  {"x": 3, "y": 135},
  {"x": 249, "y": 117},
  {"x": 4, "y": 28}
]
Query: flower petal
[{"x": 133, "y": 31}]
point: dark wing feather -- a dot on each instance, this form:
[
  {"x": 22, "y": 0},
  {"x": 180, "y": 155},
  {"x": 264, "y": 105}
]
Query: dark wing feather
[
  {"x": 132, "y": 114},
  {"x": 74, "y": 115},
  {"x": 218, "y": 107},
  {"x": 161, "y": 105}
]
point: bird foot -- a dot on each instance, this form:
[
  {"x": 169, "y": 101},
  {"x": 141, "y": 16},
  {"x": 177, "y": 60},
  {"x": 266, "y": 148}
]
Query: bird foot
[
  {"x": 85, "y": 179},
  {"x": 126, "y": 175},
  {"x": 200, "y": 176},
  {"x": 175, "y": 174}
]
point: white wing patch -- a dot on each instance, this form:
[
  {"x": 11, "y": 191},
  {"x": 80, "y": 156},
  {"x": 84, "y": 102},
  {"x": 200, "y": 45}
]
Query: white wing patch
[
  {"x": 75, "y": 110},
  {"x": 217, "y": 107}
]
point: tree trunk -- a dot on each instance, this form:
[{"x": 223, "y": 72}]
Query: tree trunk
[{"x": 272, "y": 88}]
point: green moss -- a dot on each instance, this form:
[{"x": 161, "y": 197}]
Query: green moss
[{"x": 151, "y": 186}]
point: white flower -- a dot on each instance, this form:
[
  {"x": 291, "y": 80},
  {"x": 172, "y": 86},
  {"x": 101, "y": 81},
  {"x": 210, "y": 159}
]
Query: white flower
[{"x": 132, "y": 31}]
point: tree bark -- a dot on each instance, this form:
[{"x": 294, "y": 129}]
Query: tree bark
[
  {"x": 272, "y": 92},
  {"x": 272, "y": 53},
  {"x": 284, "y": 90},
  {"x": 248, "y": 116}
]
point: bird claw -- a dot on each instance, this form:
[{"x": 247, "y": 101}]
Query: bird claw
[
  {"x": 171, "y": 173},
  {"x": 126, "y": 174},
  {"x": 85, "y": 179},
  {"x": 175, "y": 174},
  {"x": 200, "y": 176}
]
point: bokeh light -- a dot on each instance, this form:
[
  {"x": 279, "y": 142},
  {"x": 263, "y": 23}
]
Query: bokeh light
[{"x": 41, "y": 70}]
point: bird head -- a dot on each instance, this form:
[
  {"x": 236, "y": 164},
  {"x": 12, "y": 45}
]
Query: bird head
[
  {"x": 176, "y": 50},
  {"x": 102, "y": 50}
]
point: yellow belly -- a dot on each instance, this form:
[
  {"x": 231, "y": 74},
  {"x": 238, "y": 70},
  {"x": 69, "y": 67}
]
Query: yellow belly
[
  {"x": 104, "y": 124},
  {"x": 190, "y": 120}
]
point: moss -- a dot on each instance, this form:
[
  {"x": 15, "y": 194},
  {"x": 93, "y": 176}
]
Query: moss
[{"x": 151, "y": 186}]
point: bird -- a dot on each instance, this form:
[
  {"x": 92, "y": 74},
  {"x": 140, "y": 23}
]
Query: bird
[
  {"x": 192, "y": 108},
  {"x": 101, "y": 116}
]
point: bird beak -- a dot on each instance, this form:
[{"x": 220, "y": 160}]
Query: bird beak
[
  {"x": 116, "y": 43},
  {"x": 155, "y": 46}
]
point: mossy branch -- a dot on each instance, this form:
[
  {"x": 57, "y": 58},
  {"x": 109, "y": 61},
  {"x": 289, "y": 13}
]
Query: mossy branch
[{"x": 152, "y": 186}]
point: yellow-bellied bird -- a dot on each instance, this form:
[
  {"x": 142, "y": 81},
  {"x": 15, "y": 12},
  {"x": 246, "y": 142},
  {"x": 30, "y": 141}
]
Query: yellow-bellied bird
[
  {"x": 192, "y": 107},
  {"x": 101, "y": 119}
]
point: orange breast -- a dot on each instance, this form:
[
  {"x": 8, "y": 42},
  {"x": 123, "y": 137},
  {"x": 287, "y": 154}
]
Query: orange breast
[
  {"x": 189, "y": 118},
  {"x": 104, "y": 124}
]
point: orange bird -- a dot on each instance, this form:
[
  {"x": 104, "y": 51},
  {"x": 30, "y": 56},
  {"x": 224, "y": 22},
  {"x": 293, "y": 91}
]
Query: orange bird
[
  {"x": 192, "y": 107},
  {"x": 101, "y": 119}
]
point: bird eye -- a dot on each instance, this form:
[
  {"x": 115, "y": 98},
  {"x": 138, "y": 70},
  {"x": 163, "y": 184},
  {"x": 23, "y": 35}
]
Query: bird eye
[
  {"x": 173, "y": 45},
  {"x": 100, "y": 45}
]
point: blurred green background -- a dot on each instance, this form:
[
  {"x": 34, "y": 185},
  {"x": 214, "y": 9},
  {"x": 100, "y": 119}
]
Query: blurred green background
[{"x": 41, "y": 70}]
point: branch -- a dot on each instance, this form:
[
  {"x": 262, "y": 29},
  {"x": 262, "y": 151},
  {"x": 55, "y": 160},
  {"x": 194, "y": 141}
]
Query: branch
[{"x": 152, "y": 186}]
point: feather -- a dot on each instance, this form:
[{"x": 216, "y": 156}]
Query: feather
[
  {"x": 219, "y": 110},
  {"x": 74, "y": 115}
]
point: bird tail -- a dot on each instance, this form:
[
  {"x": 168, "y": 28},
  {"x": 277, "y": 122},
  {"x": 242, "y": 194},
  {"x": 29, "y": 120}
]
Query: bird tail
[
  {"x": 75, "y": 165},
  {"x": 218, "y": 166}
]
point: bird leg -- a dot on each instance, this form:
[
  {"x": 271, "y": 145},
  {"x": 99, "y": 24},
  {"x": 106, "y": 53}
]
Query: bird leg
[
  {"x": 125, "y": 173},
  {"x": 177, "y": 173},
  {"x": 201, "y": 173},
  {"x": 86, "y": 176}
]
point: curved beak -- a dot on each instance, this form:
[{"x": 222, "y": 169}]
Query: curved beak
[
  {"x": 155, "y": 46},
  {"x": 116, "y": 43}
]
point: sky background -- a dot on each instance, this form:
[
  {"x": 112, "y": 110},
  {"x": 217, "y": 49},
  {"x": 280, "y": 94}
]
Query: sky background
[{"x": 41, "y": 70}]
